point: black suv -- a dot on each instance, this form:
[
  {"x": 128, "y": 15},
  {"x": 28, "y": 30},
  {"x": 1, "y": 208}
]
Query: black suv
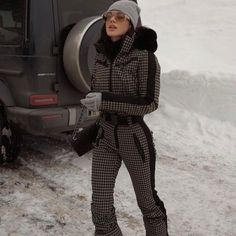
[{"x": 46, "y": 57}]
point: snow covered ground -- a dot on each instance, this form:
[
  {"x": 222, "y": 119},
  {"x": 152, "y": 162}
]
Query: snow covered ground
[{"x": 48, "y": 192}]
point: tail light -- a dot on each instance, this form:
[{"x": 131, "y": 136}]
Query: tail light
[{"x": 43, "y": 100}]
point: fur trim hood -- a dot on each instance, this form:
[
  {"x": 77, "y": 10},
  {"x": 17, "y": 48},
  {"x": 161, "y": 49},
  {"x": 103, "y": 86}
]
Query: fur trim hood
[{"x": 145, "y": 39}]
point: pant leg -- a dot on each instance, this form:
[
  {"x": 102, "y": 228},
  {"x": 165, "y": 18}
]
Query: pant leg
[
  {"x": 138, "y": 154},
  {"x": 105, "y": 166}
]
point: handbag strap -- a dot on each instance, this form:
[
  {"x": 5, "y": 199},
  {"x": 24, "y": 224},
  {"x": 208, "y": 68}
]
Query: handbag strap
[{"x": 78, "y": 123}]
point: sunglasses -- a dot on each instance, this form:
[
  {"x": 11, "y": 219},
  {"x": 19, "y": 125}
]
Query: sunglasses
[{"x": 119, "y": 16}]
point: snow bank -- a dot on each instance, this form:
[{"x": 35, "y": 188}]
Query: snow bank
[
  {"x": 210, "y": 95},
  {"x": 197, "y": 115}
]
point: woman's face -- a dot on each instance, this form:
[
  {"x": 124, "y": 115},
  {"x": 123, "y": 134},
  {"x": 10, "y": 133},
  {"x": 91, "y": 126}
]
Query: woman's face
[{"x": 117, "y": 24}]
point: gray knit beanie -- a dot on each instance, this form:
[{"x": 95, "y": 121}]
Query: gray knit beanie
[{"x": 129, "y": 8}]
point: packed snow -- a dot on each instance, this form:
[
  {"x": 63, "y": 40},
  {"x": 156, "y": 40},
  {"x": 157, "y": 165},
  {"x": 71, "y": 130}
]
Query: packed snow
[{"x": 48, "y": 191}]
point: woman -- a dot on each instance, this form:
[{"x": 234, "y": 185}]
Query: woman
[{"x": 125, "y": 87}]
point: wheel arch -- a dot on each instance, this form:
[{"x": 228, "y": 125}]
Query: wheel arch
[{"x": 6, "y": 98}]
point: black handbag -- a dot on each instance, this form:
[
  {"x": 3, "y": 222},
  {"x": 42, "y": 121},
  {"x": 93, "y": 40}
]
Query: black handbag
[{"x": 83, "y": 140}]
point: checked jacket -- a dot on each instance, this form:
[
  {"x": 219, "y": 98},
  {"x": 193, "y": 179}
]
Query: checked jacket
[{"x": 130, "y": 84}]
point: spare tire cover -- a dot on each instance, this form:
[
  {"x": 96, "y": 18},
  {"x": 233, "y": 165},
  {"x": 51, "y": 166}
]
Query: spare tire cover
[{"x": 79, "y": 52}]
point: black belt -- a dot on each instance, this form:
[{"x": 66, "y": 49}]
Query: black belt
[{"x": 120, "y": 120}]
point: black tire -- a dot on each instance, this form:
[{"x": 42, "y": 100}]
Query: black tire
[{"x": 10, "y": 141}]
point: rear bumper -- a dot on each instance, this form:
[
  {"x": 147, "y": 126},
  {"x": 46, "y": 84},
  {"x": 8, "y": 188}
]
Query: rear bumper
[{"x": 45, "y": 121}]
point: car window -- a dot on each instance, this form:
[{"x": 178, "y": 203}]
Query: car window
[{"x": 12, "y": 21}]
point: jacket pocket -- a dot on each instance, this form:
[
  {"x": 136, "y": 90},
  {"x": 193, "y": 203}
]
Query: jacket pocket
[{"x": 139, "y": 147}]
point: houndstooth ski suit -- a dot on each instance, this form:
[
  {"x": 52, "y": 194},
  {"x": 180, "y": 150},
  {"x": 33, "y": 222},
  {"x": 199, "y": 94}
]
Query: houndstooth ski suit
[{"x": 130, "y": 86}]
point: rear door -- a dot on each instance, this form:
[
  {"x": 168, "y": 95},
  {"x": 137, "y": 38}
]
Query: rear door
[{"x": 12, "y": 39}]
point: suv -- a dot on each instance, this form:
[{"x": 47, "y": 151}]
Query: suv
[{"x": 46, "y": 57}]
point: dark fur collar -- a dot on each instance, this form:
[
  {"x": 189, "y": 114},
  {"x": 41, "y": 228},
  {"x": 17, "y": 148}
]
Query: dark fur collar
[{"x": 145, "y": 39}]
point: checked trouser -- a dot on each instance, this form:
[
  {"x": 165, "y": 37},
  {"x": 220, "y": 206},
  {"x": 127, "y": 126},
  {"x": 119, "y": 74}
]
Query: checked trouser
[{"x": 133, "y": 145}]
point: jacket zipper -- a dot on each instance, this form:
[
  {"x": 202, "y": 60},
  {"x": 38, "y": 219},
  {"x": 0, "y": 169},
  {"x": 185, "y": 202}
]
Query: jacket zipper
[{"x": 116, "y": 126}]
